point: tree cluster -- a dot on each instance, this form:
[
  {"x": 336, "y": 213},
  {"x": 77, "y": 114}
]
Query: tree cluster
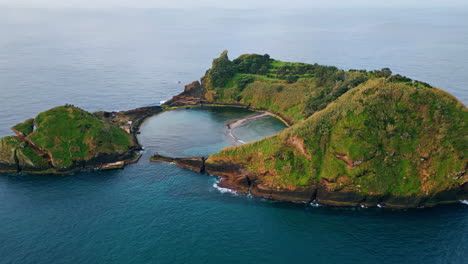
[
  {"x": 222, "y": 70},
  {"x": 331, "y": 88},
  {"x": 253, "y": 64}
]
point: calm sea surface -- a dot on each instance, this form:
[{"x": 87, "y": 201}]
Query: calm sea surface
[{"x": 159, "y": 213}]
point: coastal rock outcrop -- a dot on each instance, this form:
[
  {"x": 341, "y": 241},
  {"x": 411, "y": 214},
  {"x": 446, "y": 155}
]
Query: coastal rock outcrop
[{"x": 193, "y": 94}]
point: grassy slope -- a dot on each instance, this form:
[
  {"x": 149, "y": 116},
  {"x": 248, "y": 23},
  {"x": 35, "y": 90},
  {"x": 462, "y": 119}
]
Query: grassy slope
[
  {"x": 12, "y": 145},
  {"x": 8, "y": 145},
  {"x": 266, "y": 92},
  {"x": 402, "y": 139},
  {"x": 70, "y": 134},
  {"x": 26, "y": 127},
  {"x": 294, "y": 90}
]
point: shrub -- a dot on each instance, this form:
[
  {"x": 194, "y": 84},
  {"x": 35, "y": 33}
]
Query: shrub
[
  {"x": 244, "y": 80},
  {"x": 399, "y": 78},
  {"x": 253, "y": 64}
]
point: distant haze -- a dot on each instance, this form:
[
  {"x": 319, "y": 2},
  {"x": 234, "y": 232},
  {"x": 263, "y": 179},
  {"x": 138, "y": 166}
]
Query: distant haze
[{"x": 225, "y": 4}]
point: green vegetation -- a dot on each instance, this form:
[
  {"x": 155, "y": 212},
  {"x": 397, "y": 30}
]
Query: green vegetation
[
  {"x": 71, "y": 135},
  {"x": 221, "y": 71},
  {"x": 367, "y": 132},
  {"x": 398, "y": 140},
  {"x": 14, "y": 151},
  {"x": 65, "y": 137},
  {"x": 26, "y": 127},
  {"x": 8, "y": 146},
  {"x": 294, "y": 90},
  {"x": 253, "y": 64}
]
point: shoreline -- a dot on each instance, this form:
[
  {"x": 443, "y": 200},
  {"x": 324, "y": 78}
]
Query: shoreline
[
  {"x": 240, "y": 122},
  {"x": 233, "y": 177},
  {"x": 233, "y": 124},
  {"x": 245, "y": 185},
  {"x": 137, "y": 117},
  {"x": 285, "y": 121}
]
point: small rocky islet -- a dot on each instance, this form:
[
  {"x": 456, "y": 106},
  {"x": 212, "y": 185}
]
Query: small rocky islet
[
  {"x": 67, "y": 139},
  {"x": 354, "y": 138}
]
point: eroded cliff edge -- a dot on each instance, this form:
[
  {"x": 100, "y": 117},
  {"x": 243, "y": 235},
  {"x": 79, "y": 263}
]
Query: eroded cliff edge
[{"x": 357, "y": 137}]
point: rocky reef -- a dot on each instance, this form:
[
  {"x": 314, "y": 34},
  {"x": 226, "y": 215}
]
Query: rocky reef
[{"x": 357, "y": 138}]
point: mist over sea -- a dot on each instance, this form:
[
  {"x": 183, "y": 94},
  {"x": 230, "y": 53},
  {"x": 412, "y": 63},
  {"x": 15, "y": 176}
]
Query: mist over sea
[{"x": 121, "y": 59}]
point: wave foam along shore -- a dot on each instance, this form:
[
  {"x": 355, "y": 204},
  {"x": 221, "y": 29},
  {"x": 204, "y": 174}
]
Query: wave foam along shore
[
  {"x": 231, "y": 125},
  {"x": 239, "y": 122},
  {"x": 223, "y": 190}
]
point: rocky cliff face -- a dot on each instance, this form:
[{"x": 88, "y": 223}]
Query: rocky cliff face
[{"x": 193, "y": 94}]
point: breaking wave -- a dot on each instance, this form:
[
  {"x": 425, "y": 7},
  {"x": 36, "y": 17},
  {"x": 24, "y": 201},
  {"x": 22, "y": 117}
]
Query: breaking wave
[
  {"x": 314, "y": 204},
  {"x": 223, "y": 190}
]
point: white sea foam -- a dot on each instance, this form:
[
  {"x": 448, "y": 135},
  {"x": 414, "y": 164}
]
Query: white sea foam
[
  {"x": 314, "y": 204},
  {"x": 235, "y": 138},
  {"x": 464, "y": 202},
  {"x": 231, "y": 126},
  {"x": 223, "y": 190}
]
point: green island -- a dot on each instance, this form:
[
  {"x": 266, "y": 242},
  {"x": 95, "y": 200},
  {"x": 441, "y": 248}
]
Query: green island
[
  {"x": 65, "y": 139},
  {"x": 354, "y": 138}
]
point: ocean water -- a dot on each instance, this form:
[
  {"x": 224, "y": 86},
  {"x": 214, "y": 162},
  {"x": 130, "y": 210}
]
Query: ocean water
[{"x": 159, "y": 213}]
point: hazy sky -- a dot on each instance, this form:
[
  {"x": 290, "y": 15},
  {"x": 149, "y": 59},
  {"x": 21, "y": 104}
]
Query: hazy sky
[{"x": 224, "y": 3}]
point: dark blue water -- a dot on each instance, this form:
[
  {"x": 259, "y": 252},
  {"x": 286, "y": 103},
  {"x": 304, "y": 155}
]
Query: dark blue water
[{"x": 157, "y": 212}]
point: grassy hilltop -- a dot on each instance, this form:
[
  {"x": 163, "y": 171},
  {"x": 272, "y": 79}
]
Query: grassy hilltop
[
  {"x": 62, "y": 139},
  {"x": 294, "y": 90},
  {"x": 357, "y": 136}
]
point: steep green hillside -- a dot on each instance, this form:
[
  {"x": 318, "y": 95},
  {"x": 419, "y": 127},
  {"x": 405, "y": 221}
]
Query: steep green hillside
[
  {"x": 293, "y": 90},
  {"x": 70, "y": 134},
  {"x": 381, "y": 139},
  {"x": 356, "y": 137},
  {"x": 63, "y": 138}
]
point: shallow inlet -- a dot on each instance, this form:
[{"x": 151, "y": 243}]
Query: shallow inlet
[{"x": 202, "y": 131}]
